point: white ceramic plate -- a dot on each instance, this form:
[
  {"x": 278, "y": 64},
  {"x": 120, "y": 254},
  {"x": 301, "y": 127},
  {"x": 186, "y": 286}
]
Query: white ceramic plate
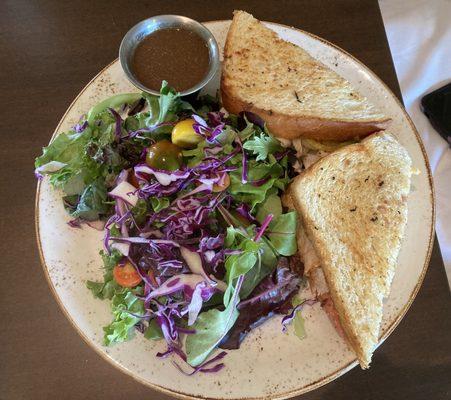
[{"x": 269, "y": 364}]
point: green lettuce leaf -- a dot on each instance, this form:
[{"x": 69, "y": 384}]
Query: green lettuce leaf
[
  {"x": 282, "y": 233},
  {"x": 234, "y": 236},
  {"x": 252, "y": 194},
  {"x": 139, "y": 211},
  {"x": 195, "y": 156},
  {"x": 264, "y": 255},
  {"x": 164, "y": 108},
  {"x": 111, "y": 102},
  {"x": 263, "y": 145},
  {"x": 211, "y": 327},
  {"x": 240, "y": 264},
  {"x": 248, "y": 193},
  {"x": 249, "y": 130},
  {"x": 158, "y": 203},
  {"x": 88, "y": 156},
  {"x": 266, "y": 264},
  {"x": 153, "y": 331},
  {"x": 93, "y": 202},
  {"x": 299, "y": 322},
  {"x": 299, "y": 326},
  {"x": 108, "y": 288},
  {"x": 272, "y": 205},
  {"x": 69, "y": 148},
  {"x": 227, "y": 136},
  {"x": 70, "y": 182},
  {"x": 121, "y": 329}
]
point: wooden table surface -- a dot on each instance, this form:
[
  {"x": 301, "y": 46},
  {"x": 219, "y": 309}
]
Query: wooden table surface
[{"x": 49, "y": 50}]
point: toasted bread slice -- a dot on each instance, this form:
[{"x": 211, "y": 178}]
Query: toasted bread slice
[
  {"x": 295, "y": 94},
  {"x": 353, "y": 206}
]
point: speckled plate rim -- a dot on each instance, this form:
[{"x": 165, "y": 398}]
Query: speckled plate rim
[{"x": 324, "y": 380}]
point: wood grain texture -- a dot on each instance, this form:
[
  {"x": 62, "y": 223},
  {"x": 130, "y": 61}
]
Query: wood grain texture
[{"x": 50, "y": 50}]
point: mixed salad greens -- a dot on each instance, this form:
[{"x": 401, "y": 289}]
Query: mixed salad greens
[{"x": 198, "y": 249}]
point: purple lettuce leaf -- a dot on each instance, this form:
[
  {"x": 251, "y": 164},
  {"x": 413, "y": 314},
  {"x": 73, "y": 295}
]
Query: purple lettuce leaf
[{"x": 273, "y": 295}]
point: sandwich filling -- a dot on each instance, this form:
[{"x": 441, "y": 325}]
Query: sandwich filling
[{"x": 317, "y": 280}]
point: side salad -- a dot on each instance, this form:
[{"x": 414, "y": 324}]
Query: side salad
[{"x": 198, "y": 249}]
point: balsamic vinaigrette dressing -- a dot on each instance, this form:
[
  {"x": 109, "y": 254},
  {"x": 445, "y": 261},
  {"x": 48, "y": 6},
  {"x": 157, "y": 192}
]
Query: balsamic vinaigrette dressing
[{"x": 177, "y": 55}]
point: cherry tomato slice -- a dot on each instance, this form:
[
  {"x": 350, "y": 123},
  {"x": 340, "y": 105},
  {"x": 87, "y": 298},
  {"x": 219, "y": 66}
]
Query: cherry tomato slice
[{"x": 126, "y": 275}]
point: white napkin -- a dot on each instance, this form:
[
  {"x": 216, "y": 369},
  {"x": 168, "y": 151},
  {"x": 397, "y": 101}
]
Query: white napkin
[{"x": 419, "y": 34}]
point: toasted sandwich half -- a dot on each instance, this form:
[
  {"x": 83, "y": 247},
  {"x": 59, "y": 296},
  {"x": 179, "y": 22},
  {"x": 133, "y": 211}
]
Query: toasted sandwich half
[
  {"x": 353, "y": 209},
  {"x": 295, "y": 94}
]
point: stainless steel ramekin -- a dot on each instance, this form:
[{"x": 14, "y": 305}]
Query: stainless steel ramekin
[{"x": 144, "y": 28}]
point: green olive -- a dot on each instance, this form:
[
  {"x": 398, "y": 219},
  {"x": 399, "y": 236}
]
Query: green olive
[{"x": 164, "y": 155}]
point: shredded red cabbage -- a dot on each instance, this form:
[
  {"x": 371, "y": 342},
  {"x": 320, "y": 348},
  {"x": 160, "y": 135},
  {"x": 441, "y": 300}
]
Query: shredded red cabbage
[
  {"x": 80, "y": 127},
  {"x": 289, "y": 317},
  {"x": 209, "y": 133},
  {"x": 202, "y": 367}
]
